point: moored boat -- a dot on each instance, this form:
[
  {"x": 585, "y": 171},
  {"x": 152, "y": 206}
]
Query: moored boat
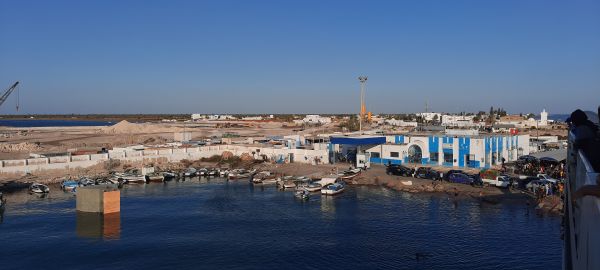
[
  {"x": 155, "y": 177},
  {"x": 39, "y": 188},
  {"x": 333, "y": 189},
  {"x": 302, "y": 193},
  {"x": 169, "y": 175},
  {"x": 84, "y": 182},
  {"x": 313, "y": 187},
  {"x": 69, "y": 185},
  {"x": 134, "y": 178},
  {"x": 190, "y": 172},
  {"x": 349, "y": 174},
  {"x": 288, "y": 184}
]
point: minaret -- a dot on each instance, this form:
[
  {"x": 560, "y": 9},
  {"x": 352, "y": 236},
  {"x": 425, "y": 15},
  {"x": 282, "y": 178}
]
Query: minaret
[{"x": 543, "y": 118}]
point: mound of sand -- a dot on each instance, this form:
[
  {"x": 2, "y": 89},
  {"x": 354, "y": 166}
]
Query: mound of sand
[
  {"x": 125, "y": 127},
  {"x": 18, "y": 147}
]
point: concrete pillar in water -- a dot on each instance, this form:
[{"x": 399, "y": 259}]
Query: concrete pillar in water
[
  {"x": 99, "y": 199},
  {"x": 98, "y": 212}
]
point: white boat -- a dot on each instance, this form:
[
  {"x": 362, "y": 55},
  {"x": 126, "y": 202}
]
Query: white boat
[
  {"x": 69, "y": 185},
  {"x": 39, "y": 188},
  {"x": 349, "y": 174},
  {"x": 333, "y": 189},
  {"x": 223, "y": 173},
  {"x": 155, "y": 178},
  {"x": 271, "y": 181},
  {"x": 289, "y": 184},
  {"x": 202, "y": 172},
  {"x": 327, "y": 181},
  {"x": 169, "y": 175},
  {"x": 84, "y": 182},
  {"x": 313, "y": 187},
  {"x": 302, "y": 194},
  {"x": 134, "y": 178},
  {"x": 190, "y": 172}
]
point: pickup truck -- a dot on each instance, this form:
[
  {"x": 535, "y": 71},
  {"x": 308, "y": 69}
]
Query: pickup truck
[
  {"x": 494, "y": 178},
  {"x": 499, "y": 181}
]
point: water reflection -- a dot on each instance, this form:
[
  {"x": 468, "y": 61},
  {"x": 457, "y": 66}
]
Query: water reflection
[{"x": 96, "y": 225}]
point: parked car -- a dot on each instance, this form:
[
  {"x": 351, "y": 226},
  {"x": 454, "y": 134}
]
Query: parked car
[
  {"x": 461, "y": 178},
  {"x": 546, "y": 177},
  {"x": 400, "y": 170},
  {"x": 535, "y": 184},
  {"x": 427, "y": 173},
  {"x": 528, "y": 158},
  {"x": 451, "y": 172}
]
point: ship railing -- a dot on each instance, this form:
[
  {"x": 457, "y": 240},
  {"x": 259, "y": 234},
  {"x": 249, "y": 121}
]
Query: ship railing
[{"x": 582, "y": 216}]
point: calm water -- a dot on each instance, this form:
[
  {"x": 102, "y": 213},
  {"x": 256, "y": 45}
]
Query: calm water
[
  {"x": 231, "y": 225},
  {"x": 51, "y": 123}
]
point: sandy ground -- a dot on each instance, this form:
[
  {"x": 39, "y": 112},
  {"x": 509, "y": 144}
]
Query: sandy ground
[{"x": 18, "y": 143}]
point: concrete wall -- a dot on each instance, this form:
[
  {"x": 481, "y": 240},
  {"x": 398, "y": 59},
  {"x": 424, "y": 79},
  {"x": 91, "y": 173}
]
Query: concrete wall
[{"x": 172, "y": 155}]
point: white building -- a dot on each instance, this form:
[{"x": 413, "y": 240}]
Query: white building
[
  {"x": 458, "y": 120},
  {"x": 543, "y": 118},
  {"x": 481, "y": 151},
  {"x": 197, "y": 116},
  {"x": 430, "y": 116},
  {"x": 316, "y": 119},
  {"x": 216, "y": 117},
  {"x": 400, "y": 123},
  {"x": 252, "y": 118}
]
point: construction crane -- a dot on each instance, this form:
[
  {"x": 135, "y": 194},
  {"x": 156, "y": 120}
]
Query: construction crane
[{"x": 8, "y": 92}]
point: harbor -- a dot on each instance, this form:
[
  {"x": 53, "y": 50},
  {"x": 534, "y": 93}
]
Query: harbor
[{"x": 223, "y": 223}]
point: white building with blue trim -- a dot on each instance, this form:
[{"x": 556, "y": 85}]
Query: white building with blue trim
[{"x": 480, "y": 151}]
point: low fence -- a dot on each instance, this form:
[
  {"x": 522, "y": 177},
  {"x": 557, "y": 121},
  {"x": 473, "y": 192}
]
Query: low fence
[{"x": 172, "y": 155}]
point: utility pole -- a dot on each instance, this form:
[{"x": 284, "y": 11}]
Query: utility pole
[{"x": 363, "y": 82}]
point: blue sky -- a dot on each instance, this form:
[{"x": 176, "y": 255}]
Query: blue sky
[{"x": 299, "y": 56}]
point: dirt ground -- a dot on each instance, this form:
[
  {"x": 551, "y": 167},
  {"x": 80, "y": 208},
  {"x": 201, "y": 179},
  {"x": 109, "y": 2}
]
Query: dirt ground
[{"x": 18, "y": 143}]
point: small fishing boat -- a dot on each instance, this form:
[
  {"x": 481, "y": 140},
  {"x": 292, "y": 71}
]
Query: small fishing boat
[
  {"x": 302, "y": 194},
  {"x": 223, "y": 173},
  {"x": 213, "y": 172},
  {"x": 39, "y": 188},
  {"x": 169, "y": 175},
  {"x": 327, "y": 181},
  {"x": 349, "y": 174},
  {"x": 202, "y": 172},
  {"x": 104, "y": 181},
  {"x": 69, "y": 185},
  {"x": 154, "y": 177},
  {"x": 313, "y": 187},
  {"x": 289, "y": 184},
  {"x": 240, "y": 174},
  {"x": 270, "y": 181},
  {"x": 134, "y": 178},
  {"x": 333, "y": 189},
  {"x": 84, "y": 182},
  {"x": 190, "y": 172}
]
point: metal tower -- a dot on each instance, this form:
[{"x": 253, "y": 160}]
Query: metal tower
[{"x": 363, "y": 107}]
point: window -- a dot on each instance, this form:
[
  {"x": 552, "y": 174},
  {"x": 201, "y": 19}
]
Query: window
[
  {"x": 448, "y": 158},
  {"x": 434, "y": 156},
  {"x": 394, "y": 154},
  {"x": 375, "y": 155}
]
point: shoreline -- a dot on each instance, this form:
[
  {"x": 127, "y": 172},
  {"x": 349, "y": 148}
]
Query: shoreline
[{"x": 375, "y": 176}]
